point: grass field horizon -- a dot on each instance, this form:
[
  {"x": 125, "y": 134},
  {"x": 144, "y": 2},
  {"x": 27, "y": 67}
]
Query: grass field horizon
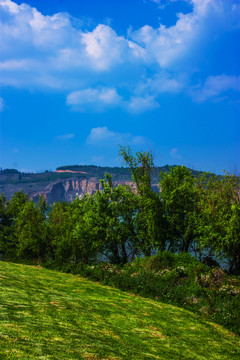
[{"x": 46, "y": 314}]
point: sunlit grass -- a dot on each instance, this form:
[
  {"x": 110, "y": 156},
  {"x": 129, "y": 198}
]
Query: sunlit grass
[{"x": 50, "y": 315}]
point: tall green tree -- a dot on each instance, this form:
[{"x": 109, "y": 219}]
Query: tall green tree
[
  {"x": 58, "y": 233},
  {"x": 179, "y": 199},
  {"x": 149, "y": 222},
  {"x": 11, "y": 210},
  {"x": 219, "y": 218},
  {"x": 30, "y": 232},
  {"x": 4, "y": 224},
  {"x": 121, "y": 236},
  {"x": 89, "y": 230},
  {"x": 16, "y": 204},
  {"x": 140, "y": 166}
]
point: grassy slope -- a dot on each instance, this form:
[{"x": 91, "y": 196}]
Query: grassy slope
[{"x": 49, "y": 315}]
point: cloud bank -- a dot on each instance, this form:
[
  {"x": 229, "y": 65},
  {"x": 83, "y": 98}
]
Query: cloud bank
[{"x": 93, "y": 67}]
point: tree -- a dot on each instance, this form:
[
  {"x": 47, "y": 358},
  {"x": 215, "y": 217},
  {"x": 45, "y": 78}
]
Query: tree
[
  {"x": 179, "y": 199},
  {"x": 140, "y": 166},
  {"x": 149, "y": 225},
  {"x": 30, "y": 232},
  {"x": 16, "y": 204},
  {"x": 121, "y": 236},
  {"x": 58, "y": 233},
  {"x": 78, "y": 230},
  {"x": 219, "y": 218},
  {"x": 4, "y": 223},
  {"x": 11, "y": 210},
  {"x": 89, "y": 231}
]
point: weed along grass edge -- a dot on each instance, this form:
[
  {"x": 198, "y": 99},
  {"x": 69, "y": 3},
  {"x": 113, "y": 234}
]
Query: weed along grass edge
[{"x": 46, "y": 314}]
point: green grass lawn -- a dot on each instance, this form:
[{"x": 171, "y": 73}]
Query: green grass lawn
[{"x": 50, "y": 315}]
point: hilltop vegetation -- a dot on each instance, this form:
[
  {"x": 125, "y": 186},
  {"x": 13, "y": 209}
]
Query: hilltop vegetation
[
  {"x": 13, "y": 176},
  {"x": 50, "y": 315}
]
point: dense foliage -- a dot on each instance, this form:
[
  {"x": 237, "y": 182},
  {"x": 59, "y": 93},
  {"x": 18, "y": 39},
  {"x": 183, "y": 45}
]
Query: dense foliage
[{"x": 200, "y": 215}]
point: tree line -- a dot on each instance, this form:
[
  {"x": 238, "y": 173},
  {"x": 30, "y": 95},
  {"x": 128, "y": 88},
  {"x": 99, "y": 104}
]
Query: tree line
[{"x": 197, "y": 214}]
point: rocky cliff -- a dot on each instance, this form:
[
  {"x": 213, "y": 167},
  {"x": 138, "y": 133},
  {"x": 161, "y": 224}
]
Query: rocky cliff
[
  {"x": 68, "y": 189},
  {"x": 66, "y": 183},
  {"x": 71, "y": 189}
]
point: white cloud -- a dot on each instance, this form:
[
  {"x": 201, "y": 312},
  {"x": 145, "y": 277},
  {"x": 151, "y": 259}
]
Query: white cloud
[
  {"x": 171, "y": 47},
  {"x": 52, "y": 52},
  {"x": 105, "y": 49},
  {"x": 102, "y": 98},
  {"x": 54, "y": 46},
  {"x": 139, "y": 104},
  {"x": 215, "y": 86},
  {"x": 98, "y": 99},
  {"x": 104, "y": 136},
  {"x": 161, "y": 82},
  {"x": 65, "y": 136},
  {"x": 11, "y": 6},
  {"x": 101, "y": 134}
]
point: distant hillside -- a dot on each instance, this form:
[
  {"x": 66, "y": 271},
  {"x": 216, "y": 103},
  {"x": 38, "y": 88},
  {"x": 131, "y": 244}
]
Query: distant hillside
[
  {"x": 9, "y": 171},
  {"x": 67, "y": 182},
  {"x": 118, "y": 173}
]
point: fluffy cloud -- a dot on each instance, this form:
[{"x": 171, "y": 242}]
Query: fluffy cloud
[
  {"x": 171, "y": 47},
  {"x": 215, "y": 86},
  {"x": 52, "y": 52},
  {"x": 138, "y": 104},
  {"x": 102, "y": 135},
  {"x": 105, "y": 49},
  {"x": 52, "y": 46},
  {"x": 101, "y": 99},
  {"x": 98, "y": 99},
  {"x": 159, "y": 83}
]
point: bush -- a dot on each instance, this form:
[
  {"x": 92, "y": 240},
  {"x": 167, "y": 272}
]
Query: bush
[{"x": 177, "y": 279}]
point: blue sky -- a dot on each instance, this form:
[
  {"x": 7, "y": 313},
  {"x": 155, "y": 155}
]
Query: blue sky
[{"x": 80, "y": 78}]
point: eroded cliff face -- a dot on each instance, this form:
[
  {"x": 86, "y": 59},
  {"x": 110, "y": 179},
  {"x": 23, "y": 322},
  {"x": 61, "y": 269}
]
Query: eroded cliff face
[
  {"x": 75, "y": 188},
  {"x": 71, "y": 189},
  {"x": 67, "y": 190},
  {"x": 62, "y": 189}
]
